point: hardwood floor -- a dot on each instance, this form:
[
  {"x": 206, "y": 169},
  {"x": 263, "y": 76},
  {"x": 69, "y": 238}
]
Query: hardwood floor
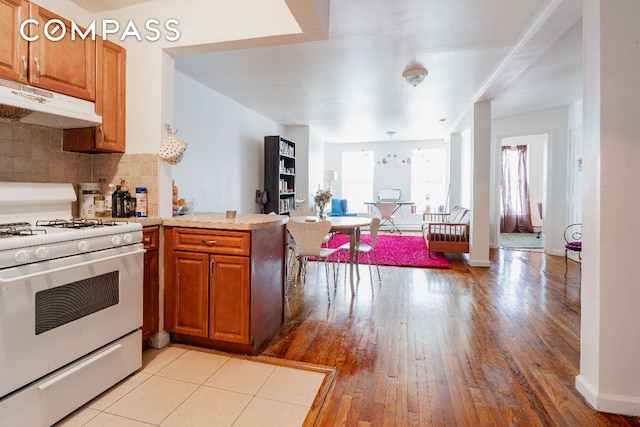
[{"x": 467, "y": 346}]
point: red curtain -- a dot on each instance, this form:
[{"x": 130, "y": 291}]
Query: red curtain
[{"x": 515, "y": 210}]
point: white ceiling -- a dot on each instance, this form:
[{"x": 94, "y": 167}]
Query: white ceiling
[{"x": 523, "y": 55}]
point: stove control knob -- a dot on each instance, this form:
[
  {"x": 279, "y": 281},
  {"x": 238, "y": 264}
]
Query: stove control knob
[
  {"x": 127, "y": 238},
  {"x": 42, "y": 252},
  {"x": 116, "y": 240},
  {"x": 83, "y": 246},
  {"x": 21, "y": 256}
]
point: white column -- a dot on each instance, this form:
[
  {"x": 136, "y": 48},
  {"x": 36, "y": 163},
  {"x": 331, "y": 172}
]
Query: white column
[
  {"x": 610, "y": 342},
  {"x": 455, "y": 169},
  {"x": 481, "y": 185}
]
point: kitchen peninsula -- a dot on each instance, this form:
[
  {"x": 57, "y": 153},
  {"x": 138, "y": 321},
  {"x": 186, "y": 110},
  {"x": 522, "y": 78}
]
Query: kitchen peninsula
[{"x": 224, "y": 279}]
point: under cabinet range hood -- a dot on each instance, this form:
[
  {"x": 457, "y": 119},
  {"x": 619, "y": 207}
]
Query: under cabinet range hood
[{"x": 28, "y": 104}]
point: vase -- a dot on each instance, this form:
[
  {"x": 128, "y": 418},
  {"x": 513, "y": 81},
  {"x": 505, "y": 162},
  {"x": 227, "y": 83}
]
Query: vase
[{"x": 321, "y": 214}]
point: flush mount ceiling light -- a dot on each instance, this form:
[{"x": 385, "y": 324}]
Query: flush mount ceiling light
[{"x": 414, "y": 74}]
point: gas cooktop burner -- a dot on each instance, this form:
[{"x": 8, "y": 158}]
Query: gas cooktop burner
[
  {"x": 76, "y": 223},
  {"x": 18, "y": 229}
]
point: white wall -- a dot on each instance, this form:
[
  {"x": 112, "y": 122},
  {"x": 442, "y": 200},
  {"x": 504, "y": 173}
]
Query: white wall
[
  {"x": 553, "y": 121},
  {"x": 224, "y": 163},
  {"x": 394, "y": 174}
]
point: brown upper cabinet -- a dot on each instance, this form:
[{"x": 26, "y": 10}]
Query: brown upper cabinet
[
  {"x": 14, "y": 56},
  {"x": 109, "y": 137},
  {"x": 65, "y": 66}
]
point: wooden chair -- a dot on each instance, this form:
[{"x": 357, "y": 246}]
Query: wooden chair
[
  {"x": 364, "y": 248},
  {"x": 309, "y": 237},
  {"x": 573, "y": 243}
]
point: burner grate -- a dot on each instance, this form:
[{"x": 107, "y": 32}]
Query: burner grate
[
  {"x": 76, "y": 223},
  {"x": 12, "y": 229}
]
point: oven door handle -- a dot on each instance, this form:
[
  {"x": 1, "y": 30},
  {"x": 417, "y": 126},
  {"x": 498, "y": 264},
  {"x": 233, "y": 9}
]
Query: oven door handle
[{"x": 69, "y": 267}]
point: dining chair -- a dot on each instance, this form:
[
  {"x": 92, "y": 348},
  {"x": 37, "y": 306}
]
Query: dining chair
[
  {"x": 386, "y": 210},
  {"x": 365, "y": 248},
  {"x": 308, "y": 237},
  {"x": 573, "y": 243}
]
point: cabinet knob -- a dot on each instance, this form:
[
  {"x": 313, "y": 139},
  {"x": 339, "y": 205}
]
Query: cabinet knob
[{"x": 210, "y": 242}]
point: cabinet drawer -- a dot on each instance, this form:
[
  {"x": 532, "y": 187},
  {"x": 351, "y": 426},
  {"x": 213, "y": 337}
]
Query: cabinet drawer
[
  {"x": 211, "y": 241},
  {"x": 150, "y": 237}
]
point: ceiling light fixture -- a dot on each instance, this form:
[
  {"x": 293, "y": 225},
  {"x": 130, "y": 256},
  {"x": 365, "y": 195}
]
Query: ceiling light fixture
[{"x": 414, "y": 74}]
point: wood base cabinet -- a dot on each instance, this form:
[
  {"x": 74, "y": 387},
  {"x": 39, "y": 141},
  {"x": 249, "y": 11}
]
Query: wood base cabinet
[
  {"x": 151, "y": 284},
  {"x": 224, "y": 289}
]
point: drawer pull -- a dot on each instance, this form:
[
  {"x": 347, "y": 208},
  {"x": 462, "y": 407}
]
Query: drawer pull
[
  {"x": 147, "y": 239},
  {"x": 210, "y": 242}
]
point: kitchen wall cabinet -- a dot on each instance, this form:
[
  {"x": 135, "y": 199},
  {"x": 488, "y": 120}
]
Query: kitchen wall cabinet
[
  {"x": 224, "y": 289},
  {"x": 279, "y": 174},
  {"x": 13, "y": 48},
  {"x": 109, "y": 137},
  {"x": 151, "y": 288},
  {"x": 65, "y": 66}
]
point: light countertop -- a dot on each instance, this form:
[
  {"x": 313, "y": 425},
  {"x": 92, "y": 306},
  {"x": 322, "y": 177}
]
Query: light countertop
[{"x": 219, "y": 221}]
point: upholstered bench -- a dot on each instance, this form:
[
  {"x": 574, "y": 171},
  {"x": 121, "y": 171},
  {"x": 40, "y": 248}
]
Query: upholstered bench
[
  {"x": 447, "y": 232},
  {"x": 339, "y": 207}
]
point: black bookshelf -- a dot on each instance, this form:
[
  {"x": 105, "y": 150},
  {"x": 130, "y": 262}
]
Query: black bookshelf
[{"x": 279, "y": 174}]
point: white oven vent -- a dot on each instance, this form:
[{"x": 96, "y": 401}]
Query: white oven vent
[{"x": 28, "y": 104}]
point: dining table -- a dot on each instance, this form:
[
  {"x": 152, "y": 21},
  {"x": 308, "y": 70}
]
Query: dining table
[{"x": 351, "y": 226}]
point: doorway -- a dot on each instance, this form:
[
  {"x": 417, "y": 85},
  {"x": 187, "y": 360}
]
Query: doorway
[{"x": 523, "y": 191}]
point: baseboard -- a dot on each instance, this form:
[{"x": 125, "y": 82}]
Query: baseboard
[
  {"x": 475, "y": 263},
  {"x": 611, "y": 403},
  {"x": 161, "y": 339}
]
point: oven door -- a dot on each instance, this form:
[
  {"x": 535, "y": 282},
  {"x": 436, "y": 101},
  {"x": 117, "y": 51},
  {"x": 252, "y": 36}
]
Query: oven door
[{"x": 54, "y": 312}]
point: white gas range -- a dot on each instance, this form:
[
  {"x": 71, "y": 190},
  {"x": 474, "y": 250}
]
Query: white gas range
[{"x": 70, "y": 303}]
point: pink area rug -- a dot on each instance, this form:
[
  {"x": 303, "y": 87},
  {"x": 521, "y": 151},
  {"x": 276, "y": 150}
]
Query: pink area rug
[{"x": 400, "y": 251}]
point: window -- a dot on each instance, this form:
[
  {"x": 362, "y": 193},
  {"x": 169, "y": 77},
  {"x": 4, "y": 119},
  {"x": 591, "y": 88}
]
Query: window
[
  {"x": 429, "y": 187},
  {"x": 357, "y": 181}
]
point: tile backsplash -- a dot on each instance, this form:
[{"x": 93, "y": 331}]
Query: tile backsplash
[{"x": 31, "y": 153}]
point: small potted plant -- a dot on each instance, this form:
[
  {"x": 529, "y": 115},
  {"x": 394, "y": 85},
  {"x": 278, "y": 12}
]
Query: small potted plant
[{"x": 321, "y": 198}]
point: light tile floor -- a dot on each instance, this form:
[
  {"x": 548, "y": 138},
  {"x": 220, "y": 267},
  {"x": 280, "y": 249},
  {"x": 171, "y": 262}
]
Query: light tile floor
[{"x": 184, "y": 387}]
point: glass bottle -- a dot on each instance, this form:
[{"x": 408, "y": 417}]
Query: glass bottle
[
  {"x": 127, "y": 203},
  {"x": 108, "y": 201},
  {"x": 99, "y": 199},
  {"x": 117, "y": 203}
]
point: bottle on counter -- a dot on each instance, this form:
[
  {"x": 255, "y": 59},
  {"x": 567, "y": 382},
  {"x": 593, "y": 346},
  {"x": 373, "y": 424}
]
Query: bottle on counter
[
  {"x": 99, "y": 199},
  {"x": 141, "y": 202},
  {"x": 118, "y": 203},
  {"x": 108, "y": 204},
  {"x": 127, "y": 203}
]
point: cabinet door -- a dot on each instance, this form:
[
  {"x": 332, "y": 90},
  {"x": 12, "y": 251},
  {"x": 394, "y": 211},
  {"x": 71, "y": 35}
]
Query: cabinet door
[
  {"x": 229, "y": 299},
  {"x": 109, "y": 137},
  {"x": 110, "y": 96},
  {"x": 65, "y": 66},
  {"x": 150, "y": 289},
  {"x": 187, "y": 293},
  {"x": 13, "y": 48},
  {"x": 150, "y": 296}
]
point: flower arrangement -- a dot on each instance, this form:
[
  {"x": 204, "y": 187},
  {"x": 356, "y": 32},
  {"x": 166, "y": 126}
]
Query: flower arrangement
[{"x": 321, "y": 198}]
